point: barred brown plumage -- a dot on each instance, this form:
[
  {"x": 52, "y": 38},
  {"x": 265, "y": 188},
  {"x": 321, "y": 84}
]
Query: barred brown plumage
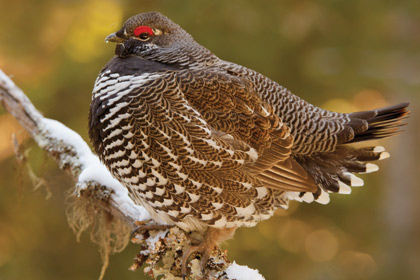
[{"x": 207, "y": 144}]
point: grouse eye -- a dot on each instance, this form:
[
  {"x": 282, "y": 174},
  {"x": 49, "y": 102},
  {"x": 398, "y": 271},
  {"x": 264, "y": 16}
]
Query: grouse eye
[
  {"x": 143, "y": 32},
  {"x": 144, "y": 36}
]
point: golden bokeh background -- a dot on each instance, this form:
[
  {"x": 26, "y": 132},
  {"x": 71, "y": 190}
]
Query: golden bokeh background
[{"x": 341, "y": 55}]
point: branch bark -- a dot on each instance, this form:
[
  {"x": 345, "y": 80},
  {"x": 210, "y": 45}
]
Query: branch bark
[{"x": 97, "y": 191}]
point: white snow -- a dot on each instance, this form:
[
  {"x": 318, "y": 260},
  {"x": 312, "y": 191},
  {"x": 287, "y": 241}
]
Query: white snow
[
  {"x": 155, "y": 237},
  {"x": 242, "y": 272},
  {"x": 91, "y": 167}
]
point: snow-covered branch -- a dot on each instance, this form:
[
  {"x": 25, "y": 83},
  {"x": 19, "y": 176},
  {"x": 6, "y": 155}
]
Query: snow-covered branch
[
  {"x": 161, "y": 250},
  {"x": 70, "y": 151}
]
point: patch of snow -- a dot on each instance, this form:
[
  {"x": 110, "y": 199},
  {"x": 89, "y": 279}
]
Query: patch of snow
[
  {"x": 242, "y": 272},
  {"x": 151, "y": 241},
  {"x": 61, "y": 132},
  {"x": 92, "y": 168}
]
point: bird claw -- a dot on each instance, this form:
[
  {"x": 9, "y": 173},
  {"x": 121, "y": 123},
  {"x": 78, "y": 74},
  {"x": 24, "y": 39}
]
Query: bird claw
[{"x": 204, "y": 250}]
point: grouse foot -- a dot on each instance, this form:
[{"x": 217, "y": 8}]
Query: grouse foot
[{"x": 212, "y": 238}]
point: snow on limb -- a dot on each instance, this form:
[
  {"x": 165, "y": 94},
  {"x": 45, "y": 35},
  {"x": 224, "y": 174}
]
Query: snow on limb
[
  {"x": 74, "y": 155},
  {"x": 242, "y": 272},
  {"x": 17, "y": 103},
  {"x": 68, "y": 148},
  {"x": 91, "y": 169}
]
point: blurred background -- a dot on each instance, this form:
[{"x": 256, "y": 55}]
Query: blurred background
[{"x": 341, "y": 55}]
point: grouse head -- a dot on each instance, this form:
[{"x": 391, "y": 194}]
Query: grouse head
[{"x": 153, "y": 36}]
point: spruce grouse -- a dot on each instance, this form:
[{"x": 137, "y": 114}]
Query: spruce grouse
[{"x": 210, "y": 145}]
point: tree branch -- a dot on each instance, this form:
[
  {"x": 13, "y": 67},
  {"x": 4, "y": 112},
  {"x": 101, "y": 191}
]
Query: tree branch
[
  {"x": 102, "y": 193},
  {"x": 70, "y": 151}
]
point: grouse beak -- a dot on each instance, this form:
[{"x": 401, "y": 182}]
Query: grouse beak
[{"x": 114, "y": 38}]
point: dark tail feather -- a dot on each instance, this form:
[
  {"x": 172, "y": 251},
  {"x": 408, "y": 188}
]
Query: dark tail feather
[
  {"x": 381, "y": 123},
  {"x": 333, "y": 171}
]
